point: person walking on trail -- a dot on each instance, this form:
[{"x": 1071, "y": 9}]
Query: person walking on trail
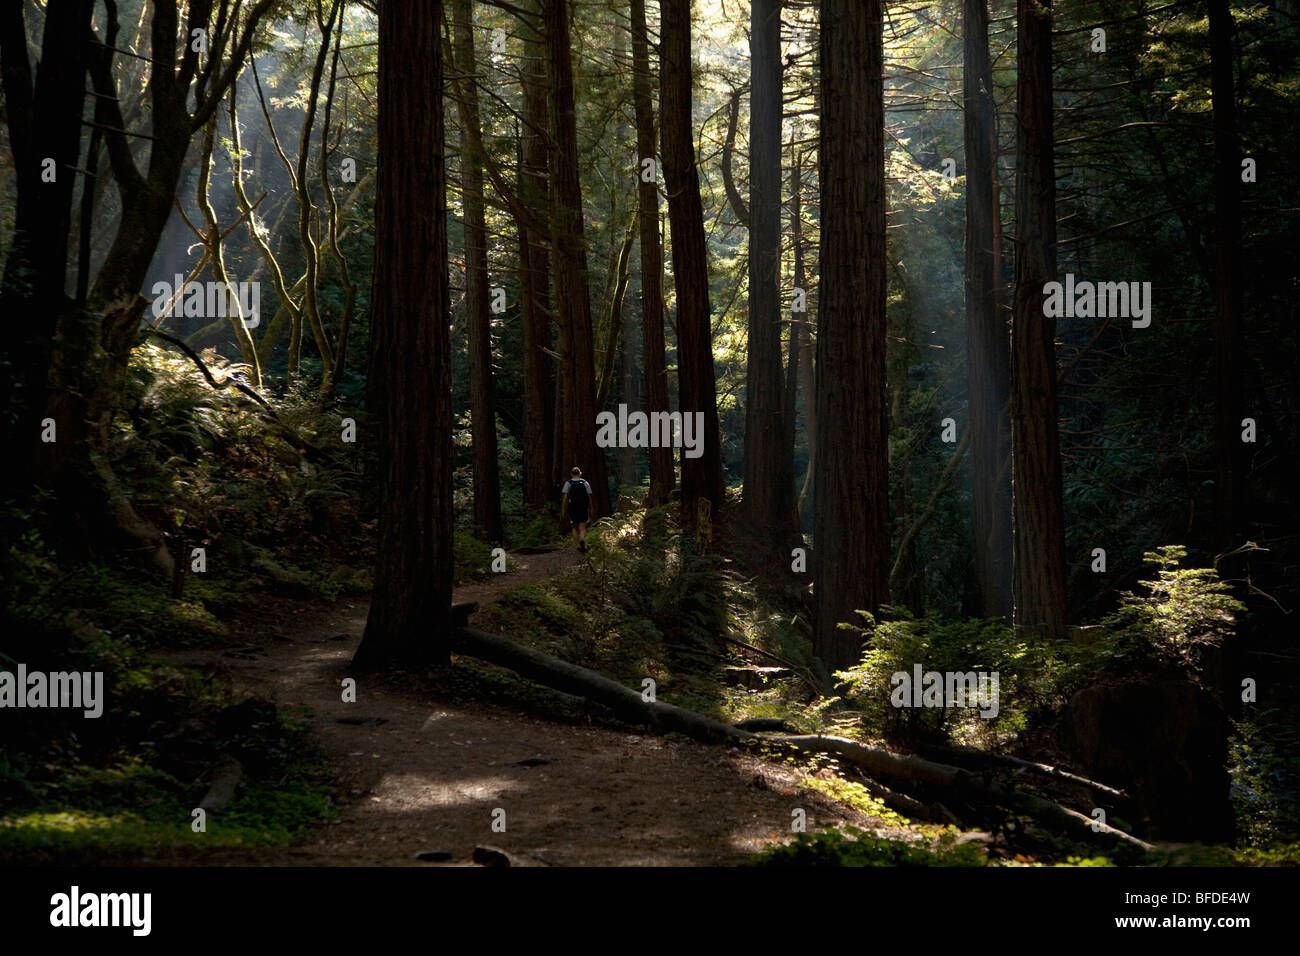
[{"x": 576, "y": 506}]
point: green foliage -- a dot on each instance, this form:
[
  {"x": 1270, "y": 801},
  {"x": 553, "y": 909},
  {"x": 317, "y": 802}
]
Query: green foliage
[
  {"x": 473, "y": 558},
  {"x": 1184, "y": 611},
  {"x": 127, "y": 781},
  {"x": 1265, "y": 769},
  {"x": 643, "y": 604},
  {"x": 135, "y": 606},
  {"x": 851, "y": 846},
  {"x": 857, "y": 796},
  {"x": 945, "y": 646},
  {"x": 215, "y": 471}
]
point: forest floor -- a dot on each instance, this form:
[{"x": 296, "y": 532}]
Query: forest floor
[{"x": 416, "y": 774}]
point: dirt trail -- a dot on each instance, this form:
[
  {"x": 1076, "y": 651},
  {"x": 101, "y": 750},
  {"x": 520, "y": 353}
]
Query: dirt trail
[{"x": 416, "y": 775}]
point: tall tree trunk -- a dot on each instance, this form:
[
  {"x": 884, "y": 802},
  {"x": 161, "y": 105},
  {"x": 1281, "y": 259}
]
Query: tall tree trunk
[
  {"x": 790, "y": 408},
  {"x": 987, "y": 354},
  {"x": 769, "y": 474},
  {"x": 629, "y": 394},
  {"x": 540, "y": 481},
  {"x": 482, "y": 392},
  {"x": 1039, "y": 526},
  {"x": 410, "y": 342},
  {"x": 809, "y": 376},
  {"x": 701, "y": 476},
  {"x": 577, "y": 438},
  {"x": 1229, "y": 450},
  {"x": 851, "y": 524},
  {"x": 43, "y": 115},
  {"x": 662, "y": 477}
]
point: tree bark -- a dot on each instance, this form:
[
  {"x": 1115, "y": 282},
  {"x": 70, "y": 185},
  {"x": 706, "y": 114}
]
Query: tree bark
[
  {"x": 1039, "y": 527},
  {"x": 987, "y": 349},
  {"x": 1229, "y": 449},
  {"x": 540, "y": 484},
  {"x": 577, "y": 437},
  {"x": 701, "y": 476},
  {"x": 790, "y": 408},
  {"x": 482, "y": 391},
  {"x": 851, "y": 524},
  {"x": 43, "y": 115},
  {"x": 769, "y": 468},
  {"x": 662, "y": 477},
  {"x": 410, "y": 343}
]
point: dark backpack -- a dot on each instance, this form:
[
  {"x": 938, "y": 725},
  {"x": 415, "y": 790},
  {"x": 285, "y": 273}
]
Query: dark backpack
[{"x": 578, "y": 494}]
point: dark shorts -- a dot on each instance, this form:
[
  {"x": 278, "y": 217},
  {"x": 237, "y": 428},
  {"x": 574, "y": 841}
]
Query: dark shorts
[{"x": 578, "y": 515}]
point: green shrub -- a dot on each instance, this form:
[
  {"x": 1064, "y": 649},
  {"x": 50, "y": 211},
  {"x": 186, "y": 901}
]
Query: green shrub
[
  {"x": 1184, "y": 612},
  {"x": 944, "y": 646},
  {"x": 853, "y": 847}
]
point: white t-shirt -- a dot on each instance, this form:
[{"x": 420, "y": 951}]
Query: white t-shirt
[{"x": 571, "y": 481}]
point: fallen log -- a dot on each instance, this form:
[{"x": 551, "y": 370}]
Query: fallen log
[
  {"x": 957, "y": 754},
  {"x": 629, "y": 705},
  {"x": 625, "y": 703}
]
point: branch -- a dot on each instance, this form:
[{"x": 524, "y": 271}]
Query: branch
[
  {"x": 728, "y": 148},
  {"x": 940, "y": 487}
]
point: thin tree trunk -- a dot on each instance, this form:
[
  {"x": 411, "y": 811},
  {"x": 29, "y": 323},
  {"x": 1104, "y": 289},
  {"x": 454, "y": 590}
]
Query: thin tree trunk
[
  {"x": 1039, "y": 528},
  {"x": 487, "y": 480},
  {"x": 216, "y": 257},
  {"x": 662, "y": 477},
  {"x": 332, "y": 233},
  {"x": 769, "y": 477},
  {"x": 629, "y": 394},
  {"x": 987, "y": 349},
  {"x": 702, "y": 475},
  {"x": 410, "y": 610}
]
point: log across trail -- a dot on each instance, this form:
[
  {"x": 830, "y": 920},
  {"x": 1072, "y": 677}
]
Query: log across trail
[
  {"x": 416, "y": 776},
  {"x": 417, "y": 772},
  {"x": 631, "y": 706}
]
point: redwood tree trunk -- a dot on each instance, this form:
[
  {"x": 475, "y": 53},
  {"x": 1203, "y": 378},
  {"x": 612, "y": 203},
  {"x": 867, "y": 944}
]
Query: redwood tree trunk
[
  {"x": 662, "y": 478},
  {"x": 791, "y": 405},
  {"x": 410, "y": 609},
  {"x": 769, "y": 477},
  {"x": 540, "y": 485},
  {"x": 483, "y": 426},
  {"x": 1039, "y": 526},
  {"x": 851, "y": 523},
  {"x": 701, "y": 476},
  {"x": 577, "y": 441},
  {"x": 1229, "y": 406},
  {"x": 987, "y": 354}
]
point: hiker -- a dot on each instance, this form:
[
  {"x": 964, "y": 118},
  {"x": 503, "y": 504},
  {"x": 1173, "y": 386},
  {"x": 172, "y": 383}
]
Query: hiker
[{"x": 576, "y": 506}]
